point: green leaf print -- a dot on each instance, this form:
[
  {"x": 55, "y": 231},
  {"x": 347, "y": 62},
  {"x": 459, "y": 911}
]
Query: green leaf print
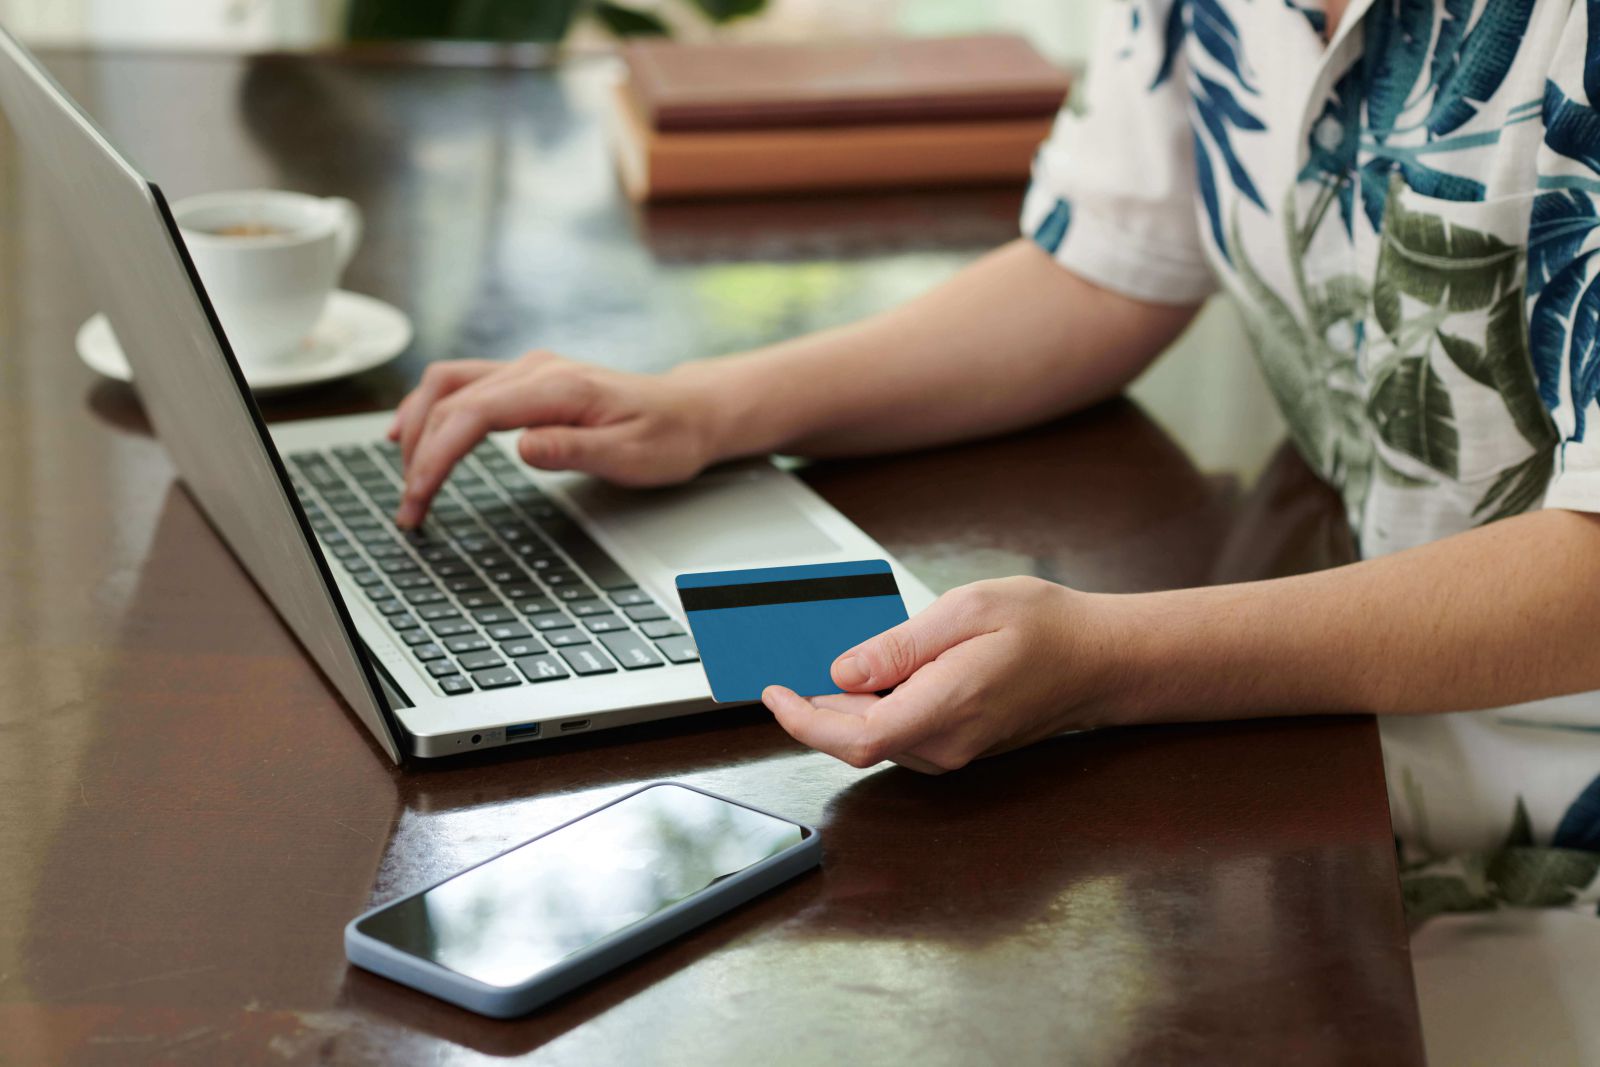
[
  {"x": 1532, "y": 877},
  {"x": 1517, "y": 488},
  {"x": 1511, "y": 371},
  {"x": 1469, "y": 358},
  {"x": 1442, "y": 263},
  {"x": 1413, "y": 414}
]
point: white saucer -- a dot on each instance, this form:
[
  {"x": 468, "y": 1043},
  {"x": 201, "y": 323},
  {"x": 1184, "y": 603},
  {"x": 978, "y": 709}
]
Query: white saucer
[{"x": 355, "y": 333}]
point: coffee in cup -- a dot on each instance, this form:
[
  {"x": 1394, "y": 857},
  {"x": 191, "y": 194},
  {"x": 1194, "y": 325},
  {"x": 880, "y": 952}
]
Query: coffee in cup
[{"x": 268, "y": 260}]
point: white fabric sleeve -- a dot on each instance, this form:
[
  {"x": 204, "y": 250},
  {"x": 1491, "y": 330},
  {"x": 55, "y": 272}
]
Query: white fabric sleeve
[{"x": 1113, "y": 197}]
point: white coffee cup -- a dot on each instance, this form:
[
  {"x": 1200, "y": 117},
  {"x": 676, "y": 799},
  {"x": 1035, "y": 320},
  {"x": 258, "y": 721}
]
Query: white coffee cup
[{"x": 269, "y": 260}]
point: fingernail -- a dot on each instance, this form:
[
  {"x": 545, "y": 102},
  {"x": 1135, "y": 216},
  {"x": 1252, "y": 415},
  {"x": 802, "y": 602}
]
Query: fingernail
[
  {"x": 850, "y": 671},
  {"x": 406, "y": 517}
]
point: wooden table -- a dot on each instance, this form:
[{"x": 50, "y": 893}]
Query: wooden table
[{"x": 188, "y": 815}]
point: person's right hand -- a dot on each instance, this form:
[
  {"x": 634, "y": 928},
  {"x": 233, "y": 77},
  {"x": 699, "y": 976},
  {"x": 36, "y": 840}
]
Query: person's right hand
[{"x": 631, "y": 429}]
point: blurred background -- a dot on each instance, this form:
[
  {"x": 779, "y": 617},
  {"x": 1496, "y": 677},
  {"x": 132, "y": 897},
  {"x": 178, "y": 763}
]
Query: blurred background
[
  {"x": 1058, "y": 27},
  {"x": 1207, "y": 392}
]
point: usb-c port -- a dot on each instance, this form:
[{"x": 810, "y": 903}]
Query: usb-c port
[{"x": 574, "y": 724}]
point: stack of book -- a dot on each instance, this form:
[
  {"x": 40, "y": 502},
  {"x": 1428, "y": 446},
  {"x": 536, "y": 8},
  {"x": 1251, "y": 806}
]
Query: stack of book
[{"x": 697, "y": 120}]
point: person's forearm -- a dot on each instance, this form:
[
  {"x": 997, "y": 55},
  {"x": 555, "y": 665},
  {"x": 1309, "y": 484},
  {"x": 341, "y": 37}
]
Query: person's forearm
[
  {"x": 1494, "y": 616},
  {"x": 1012, "y": 340}
]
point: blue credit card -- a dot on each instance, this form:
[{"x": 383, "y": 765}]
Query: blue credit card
[{"x": 785, "y": 625}]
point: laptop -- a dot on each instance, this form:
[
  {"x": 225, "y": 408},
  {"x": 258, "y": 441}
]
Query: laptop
[{"x": 530, "y": 605}]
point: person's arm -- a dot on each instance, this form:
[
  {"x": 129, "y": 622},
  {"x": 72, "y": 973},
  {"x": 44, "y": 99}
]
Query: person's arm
[
  {"x": 1011, "y": 340},
  {"x": 1493, "y": 616}
]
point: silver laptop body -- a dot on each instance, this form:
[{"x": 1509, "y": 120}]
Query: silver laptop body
[{"x": 303, "y": 507}]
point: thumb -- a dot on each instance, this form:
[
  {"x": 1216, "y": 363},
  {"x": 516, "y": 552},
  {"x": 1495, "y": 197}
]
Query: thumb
[{"x": 894, "y": 655}]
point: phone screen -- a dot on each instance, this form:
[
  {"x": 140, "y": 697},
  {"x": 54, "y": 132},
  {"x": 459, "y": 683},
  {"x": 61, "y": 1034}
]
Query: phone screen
[{"x": 506, "y": 920}]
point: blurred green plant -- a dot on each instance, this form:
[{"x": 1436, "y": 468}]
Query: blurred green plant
[{"x": 541, "y": 21}]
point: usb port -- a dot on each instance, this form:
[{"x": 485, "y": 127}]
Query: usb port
[
  {"x": 574, "y": 724},
  {"x": 521, "y": 730}
]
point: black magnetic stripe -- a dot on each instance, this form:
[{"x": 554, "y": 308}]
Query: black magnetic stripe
[{"x": 798, "y": 591}]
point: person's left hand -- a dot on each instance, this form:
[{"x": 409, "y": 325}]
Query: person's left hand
[{"x": 987, "y": 667}]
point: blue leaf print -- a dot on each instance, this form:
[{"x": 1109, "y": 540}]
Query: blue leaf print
[
  {"x": 1397, "y": 36},
  {"x": 1217, "y": 34},
  {"x": 1206, "y": 179},
  {"x": 1447, "y": 49},
  {"x": 1547, "y": 327},
  {"x": 1440, "y": 184},
  {"x": 1217, "y": 108},
  {"x": 1570, "y": 128},
  {"x": 1557, "y": 229},
  {"x": 1172, "y": 40},
  {"x": 1334, "y": 143},
  {"x": 1375, "y": 190},
  {"x": 1580, "y": 826},
  {"x": 1486, "y": 56},
  {"x": 1053, "y": 229}
]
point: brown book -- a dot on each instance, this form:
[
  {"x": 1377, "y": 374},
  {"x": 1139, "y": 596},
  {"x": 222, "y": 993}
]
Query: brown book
[
  {"x": 664, "y": 164},
  {"x": 901, "y": 80}
]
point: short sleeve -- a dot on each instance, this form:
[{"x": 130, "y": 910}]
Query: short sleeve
[
  {"x": 1563, "y": 284},
  {"x": 1113, "y": 196}
]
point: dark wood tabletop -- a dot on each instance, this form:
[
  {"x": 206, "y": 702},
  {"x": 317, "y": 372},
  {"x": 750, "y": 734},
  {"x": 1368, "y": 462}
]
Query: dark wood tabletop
[{"x": 188, "y": 815}]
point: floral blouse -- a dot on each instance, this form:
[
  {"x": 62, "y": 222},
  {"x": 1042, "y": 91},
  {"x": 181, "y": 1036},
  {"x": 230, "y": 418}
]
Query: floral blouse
[{"x": 1408, "y": 218}]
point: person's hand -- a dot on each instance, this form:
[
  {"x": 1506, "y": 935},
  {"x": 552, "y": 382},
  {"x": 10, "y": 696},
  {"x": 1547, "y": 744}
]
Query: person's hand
[
  {"x": 986, "y": 668},
  {"x": 632, "y": 429}
]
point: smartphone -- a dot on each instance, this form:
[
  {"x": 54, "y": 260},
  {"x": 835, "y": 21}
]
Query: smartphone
[{"x": 517, "y": 930}]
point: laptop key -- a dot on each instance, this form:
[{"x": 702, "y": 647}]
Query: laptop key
[
  {"x": 481, "y": 600},
  {"x": 574, "y": 592},
  {"x": 403, "y": 622},
  {"x": 522, "y": 646},
  {"x": 430, "y": 595},
  {"x": 367, "y": 578},
  {"x": 450, "y": 568},
  {"x": 428, "y": 653},
  {"x": 389, "y": 607},
  {"x": 453, "y": 627},
  {"x": 468, "y": 584},
  {"x": 377, "y": 590},
  {"x": 466, "y": 643},
  {"x": 544, "y": 623},
  {"x": 415, "y": 580},
  {"x": 586, "y": 659},
  {"x": 645, "y": 612},
  {"x": 403, "y": 565},
  {"x": 604, "y": 624},
  {"x": 541, "y": 668},
  {"x": 480, "y": 661},
  {"x": 535, "y": 606},
  {"x": 455, "y": 685},
  {"x": 441, "y": 667},
  {"x": 507, "y": 631},
  {"x": 498, "y": 678},
  {"x": 679, "y": 649},
  {"x": 635, "y": 595},
  {"x": 581, "y": 608},
  {"x": 416, "y": 637},
  {"x": 566, "y": 638},
  {"x": 662, "y": 628},
  {"x": 488, "y": 616},
  {"x": 630, "y": 650},
  {"x": 439, "y": 612}
]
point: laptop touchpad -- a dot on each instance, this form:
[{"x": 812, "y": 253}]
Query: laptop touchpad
[{"x": 731, "y": 520}]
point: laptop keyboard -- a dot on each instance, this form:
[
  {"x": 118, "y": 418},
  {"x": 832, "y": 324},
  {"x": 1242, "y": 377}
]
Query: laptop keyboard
[{"x": 498, "y": 588}]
